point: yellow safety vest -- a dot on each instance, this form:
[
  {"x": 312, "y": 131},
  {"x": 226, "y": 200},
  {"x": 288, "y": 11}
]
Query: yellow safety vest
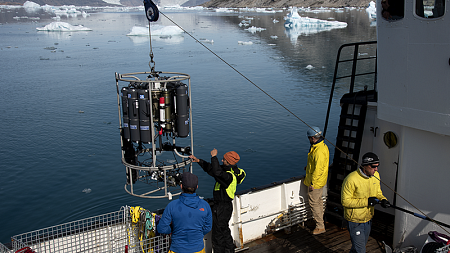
[{"x": 231, "y": 189}]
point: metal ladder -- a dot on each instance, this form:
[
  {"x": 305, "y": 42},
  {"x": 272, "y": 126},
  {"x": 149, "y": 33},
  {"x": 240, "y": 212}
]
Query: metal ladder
[{"x": 351, "y": 126}]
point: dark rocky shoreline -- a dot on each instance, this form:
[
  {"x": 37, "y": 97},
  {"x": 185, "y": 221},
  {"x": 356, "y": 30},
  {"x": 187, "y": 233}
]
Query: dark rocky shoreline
[{"x": 212, "y": 3}]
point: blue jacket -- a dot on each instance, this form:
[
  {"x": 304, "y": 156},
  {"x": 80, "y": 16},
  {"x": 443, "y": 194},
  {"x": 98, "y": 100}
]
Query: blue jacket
[{"x": 188, "y": 218}]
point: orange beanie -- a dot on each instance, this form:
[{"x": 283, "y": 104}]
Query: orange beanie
[{"x": 231, "y": 157}]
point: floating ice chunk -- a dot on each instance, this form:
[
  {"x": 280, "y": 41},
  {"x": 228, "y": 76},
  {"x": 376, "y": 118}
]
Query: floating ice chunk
[
  {"x": 31, "y": 7},
  {"x": 260, "y": 10},
  {"x": 224, "y": 10},
  {"x": 206, "y": 41},
  {"x": 62, "y": 27},
  {"x": 157, "y": 30},
  {"x": 69, "y": 12},
  {"x": 87, "y": 190},
  {"x": 253, "y": 29},
  {"x": 309, "y": 67},
  {"x": 172, "y": 7},
  {"x": 245, "y": 43},
  {"x": 116, "y": 2},
  {"x": 372, "y": 10},
  {"x": 320, "y": 10},
  {"x": 293, "y": 19}
]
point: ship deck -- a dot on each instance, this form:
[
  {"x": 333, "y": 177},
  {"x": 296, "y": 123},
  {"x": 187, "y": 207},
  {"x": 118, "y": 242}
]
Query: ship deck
[{"x": 335, "y": 239}]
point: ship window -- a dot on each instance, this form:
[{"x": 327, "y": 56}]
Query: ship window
[
  {"x": 390, "y": 139},
  {"x": 393, "y": 9},
  {"x": 430, "y": 9}
]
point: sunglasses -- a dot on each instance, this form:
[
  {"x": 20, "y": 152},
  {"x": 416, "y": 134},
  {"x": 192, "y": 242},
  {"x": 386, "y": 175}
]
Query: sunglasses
[{"x": 374, "y": 166}]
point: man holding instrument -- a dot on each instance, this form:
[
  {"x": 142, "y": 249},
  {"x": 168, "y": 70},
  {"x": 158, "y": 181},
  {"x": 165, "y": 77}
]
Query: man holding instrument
[{"x": 359, "y": 194}]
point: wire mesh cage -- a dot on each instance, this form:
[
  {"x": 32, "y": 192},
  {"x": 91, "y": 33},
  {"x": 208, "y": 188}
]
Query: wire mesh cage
[
  {"x": 4, "y": 249},
  {"x": 127, "y": 230}
]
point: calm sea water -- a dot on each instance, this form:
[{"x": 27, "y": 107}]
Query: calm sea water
[{"x": 50, "y": 152}]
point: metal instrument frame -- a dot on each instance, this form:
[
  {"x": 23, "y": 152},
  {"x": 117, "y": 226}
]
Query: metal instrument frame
[{"x": 174, "y": 77}]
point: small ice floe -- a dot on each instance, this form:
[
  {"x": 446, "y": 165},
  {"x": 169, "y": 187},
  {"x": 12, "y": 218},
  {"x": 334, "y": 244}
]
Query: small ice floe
[
  {"x": 309, "y": 67},
  {"x": 62, "y": 27},
  {"x": 224, "y": 10},
  {"x": 87, "y": 190},
  {"x": 293, "y": 19},
  {"x": 245, "y": 43},
  {"x": 274, "y": 37},
  {"x": 31, "y": 7},
  {"x": 372, "y": 10},
  {"x": 244, "y": 23},
  {"x": 206, "y": 41},
  {"x": 255, "y": 29},
  {"x": 157, "y": 30},
  {"x": 116, "y": 2}
]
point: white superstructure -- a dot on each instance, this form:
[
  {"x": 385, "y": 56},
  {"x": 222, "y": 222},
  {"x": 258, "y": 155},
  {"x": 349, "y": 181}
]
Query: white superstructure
[{"x": 413, "y": 103}]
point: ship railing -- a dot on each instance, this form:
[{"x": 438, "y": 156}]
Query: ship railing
[
  {"x": 296, "y": 214},
  {"x": 111, "y": 232},
  {"x": 445, "y": 249},
  {"x": 4, "y": 249}
]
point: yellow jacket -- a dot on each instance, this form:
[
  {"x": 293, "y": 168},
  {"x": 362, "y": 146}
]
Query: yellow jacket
[
  {"x": 317, "y": 166},
  {"x": 355, "y": 192}
]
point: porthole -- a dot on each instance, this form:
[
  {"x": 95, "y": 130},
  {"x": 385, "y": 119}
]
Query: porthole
[{"x": 390, "y": 139}]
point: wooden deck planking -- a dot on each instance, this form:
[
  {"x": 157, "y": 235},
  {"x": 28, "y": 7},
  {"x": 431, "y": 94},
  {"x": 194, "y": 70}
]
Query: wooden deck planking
[{"x": 301, "y": 240}]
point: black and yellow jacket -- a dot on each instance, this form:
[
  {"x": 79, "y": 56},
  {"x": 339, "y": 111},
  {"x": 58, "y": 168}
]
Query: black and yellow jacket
[{"x": 227, "y": 178}]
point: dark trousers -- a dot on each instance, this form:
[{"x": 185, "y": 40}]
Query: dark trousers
[
  {"x": 359, "y": 234},
  {"x": 221, "y": 234}
]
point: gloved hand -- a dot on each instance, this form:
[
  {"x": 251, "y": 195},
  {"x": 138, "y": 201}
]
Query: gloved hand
[
  {"x": 373, "y": 201},
  {"x": 385, "y": 203}
]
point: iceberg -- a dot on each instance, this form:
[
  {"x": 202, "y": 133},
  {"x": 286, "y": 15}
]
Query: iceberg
[
  {"x": 62, "y": 27},
  {"x": 255, "y": 29},
  {"x": 157, "y": 30},
  {"x": 116, "y": 2},
  {"x": 245, "y": 43},
  {"x": 372, "y": 10},
  {"x": 296, "y": 25},
  {"x": 224, "y": 10},
  {"x": 31, "y": 5},
  {"x": 293, "y": 19}
]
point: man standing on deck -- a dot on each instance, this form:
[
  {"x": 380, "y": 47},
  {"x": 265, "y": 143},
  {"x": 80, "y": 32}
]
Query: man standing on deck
[
  {"x": 188, "y": 218},
  {"x": 227, "y": 177},
  {"x": 359, "y": 194},
  {"x": 316, "y": 176}
]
